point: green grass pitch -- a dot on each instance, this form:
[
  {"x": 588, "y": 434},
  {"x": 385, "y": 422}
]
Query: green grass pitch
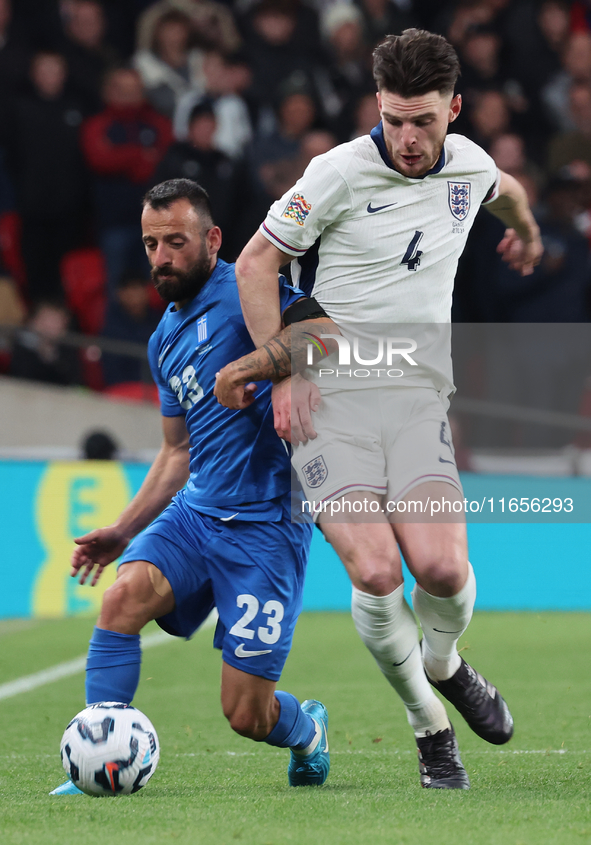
[{"x": 215, "y": 787}]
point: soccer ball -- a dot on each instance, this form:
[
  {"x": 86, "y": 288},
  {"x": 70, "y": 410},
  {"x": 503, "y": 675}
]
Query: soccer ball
[{"x": 110, "y": 749}]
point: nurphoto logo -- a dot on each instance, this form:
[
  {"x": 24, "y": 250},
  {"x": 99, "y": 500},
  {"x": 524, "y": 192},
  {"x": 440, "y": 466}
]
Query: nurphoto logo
[{"x": 387, "y": 348}]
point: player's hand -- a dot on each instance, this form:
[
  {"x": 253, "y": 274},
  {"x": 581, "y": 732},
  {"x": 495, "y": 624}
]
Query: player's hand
[
  {"x": 293, "y": 400},
  {"x": 95, "y": 551},
  {"x": 520, "y": 255},
  {"x": 230, "y": 394}
]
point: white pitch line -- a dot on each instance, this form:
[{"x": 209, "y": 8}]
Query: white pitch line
[
  {"x": 395, "y": 752},
  {"x": 73, "y": 667},
  {"x": 65, "y": 670},
  {"x": 398, "y": 753}
]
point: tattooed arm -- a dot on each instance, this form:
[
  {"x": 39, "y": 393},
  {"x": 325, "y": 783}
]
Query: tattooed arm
[{"x": 284, "y": 353}]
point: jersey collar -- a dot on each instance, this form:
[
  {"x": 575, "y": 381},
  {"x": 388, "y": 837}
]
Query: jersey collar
[{"x": 377, "y": 136}]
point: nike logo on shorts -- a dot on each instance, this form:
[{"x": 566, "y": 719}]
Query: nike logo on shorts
[
  {"x": 240, "y": 651},
  {"x": 372, "y": 210},
  {"x": 228, "y": 518}
]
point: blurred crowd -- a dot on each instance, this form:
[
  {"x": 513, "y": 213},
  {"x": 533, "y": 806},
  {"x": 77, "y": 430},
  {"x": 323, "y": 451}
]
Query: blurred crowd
[{"x": 101, "y": 99}]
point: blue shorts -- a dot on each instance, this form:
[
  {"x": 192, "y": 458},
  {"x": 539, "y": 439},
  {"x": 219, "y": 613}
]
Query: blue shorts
[{"x": 253, "y": 572}]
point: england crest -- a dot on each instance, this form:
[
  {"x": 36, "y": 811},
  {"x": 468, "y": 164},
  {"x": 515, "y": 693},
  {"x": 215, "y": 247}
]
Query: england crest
[
  {"x": 459, "y": 199},
  {"x": 315, "y": 472}
]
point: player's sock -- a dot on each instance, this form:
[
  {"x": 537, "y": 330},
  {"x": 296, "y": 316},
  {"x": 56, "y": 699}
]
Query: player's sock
[
  {"x": 389, "y": 630},
  {"x": 443, "y": 621},
  {"x": 294, "y": 728},
  {"x": 112, "y": 667}
]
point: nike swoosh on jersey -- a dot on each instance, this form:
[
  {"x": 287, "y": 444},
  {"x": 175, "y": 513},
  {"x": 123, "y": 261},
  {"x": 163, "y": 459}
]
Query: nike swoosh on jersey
[
  {"x": 240, "y": 651},
  {"x": 228, "y": 518},
  {"x": 372, "y": 210}
]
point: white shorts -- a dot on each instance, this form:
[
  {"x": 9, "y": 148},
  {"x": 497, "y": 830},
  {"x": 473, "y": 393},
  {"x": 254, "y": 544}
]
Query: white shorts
[{"x": 386, "y": 441}]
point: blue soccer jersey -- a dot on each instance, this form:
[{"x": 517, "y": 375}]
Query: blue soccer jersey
[
  {"x": 237, "y": 459},
  {"x": 227, "y": 539}
]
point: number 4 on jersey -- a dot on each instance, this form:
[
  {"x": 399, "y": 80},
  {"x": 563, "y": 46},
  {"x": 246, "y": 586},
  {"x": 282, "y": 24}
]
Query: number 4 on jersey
[{"x": 412, "y": 256}]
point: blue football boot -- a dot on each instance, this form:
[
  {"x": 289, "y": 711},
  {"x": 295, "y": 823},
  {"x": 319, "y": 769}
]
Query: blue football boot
[
  {"x": 312, "y": 770},
  {"x": 67, "y": 788}
]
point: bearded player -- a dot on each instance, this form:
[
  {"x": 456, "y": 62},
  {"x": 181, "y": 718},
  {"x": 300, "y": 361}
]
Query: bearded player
[
  {"x": 374, "y": 229},
  {"x": 226, "y": 539}
]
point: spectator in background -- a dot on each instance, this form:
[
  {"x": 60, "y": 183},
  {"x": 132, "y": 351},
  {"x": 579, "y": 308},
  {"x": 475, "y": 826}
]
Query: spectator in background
[
  {"x": 38, "y": 353},
  {"x": 87, "y": 53},
  {"x": 278, "y": 177},
  {"x": 581, "y": 16},
  {"x": 348, "y": 72},
  {"x": 99, "y": 446},
  {"x": 129, "y": 317},
  {"x": 296, "y": 115},
  {"x": 489, "y": 118},
  {"x": 12, "y": 313},
  {"x": 281, "y": 46},
  {"x": 510, "y": 155},
  {"x": 172, "y": 66},
  {"x": 15, "y": 56},
  {"x": 123, "y": 145},
  {"x": 224, "y": 180},
  {"x": 576, "y": 68},
  {"x": 12, "y": 307},
  {"x": 455, "y": 20},
  {"x": 51, "y": 177},
  {"x": 574, "y": 146},
  {"x": 367, "y": 115},
  {"x": 558, "y": 289},
  {"x": 480, "y": 53},
  {"x": 384, "y": 17},
  {"x": 535, "y": 43},
  {"x": 212, "y": 23},
  {"x": 225, "y": 80}
]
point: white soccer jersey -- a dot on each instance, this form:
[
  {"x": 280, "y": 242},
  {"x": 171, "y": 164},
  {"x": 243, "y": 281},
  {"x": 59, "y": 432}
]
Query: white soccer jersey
[{"x": 374, "y": 246}]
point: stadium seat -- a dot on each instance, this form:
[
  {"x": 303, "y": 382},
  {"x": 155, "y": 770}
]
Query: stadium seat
[
  {"x": 133, "y": 391},
  {"x": 84, "y": 278},
  {"x": 10, "y": 246}
]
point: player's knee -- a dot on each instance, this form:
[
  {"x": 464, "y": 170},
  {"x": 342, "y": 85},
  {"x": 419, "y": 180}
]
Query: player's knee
[
  {"x": 443, "y": 574},
  {"x": 120, "y": 605},
  {"x": 377, "y": 580}
]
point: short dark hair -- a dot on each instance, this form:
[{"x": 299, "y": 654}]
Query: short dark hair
[
  {"x": 164, "y": 194},
  {"x": 415, "y": 63},
  {"x": 99, "y": 446},
  {"x": 204, "y": 106}
]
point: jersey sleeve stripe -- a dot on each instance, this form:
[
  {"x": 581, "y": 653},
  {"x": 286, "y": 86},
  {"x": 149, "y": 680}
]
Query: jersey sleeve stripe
[
  {"x": 287, "y": 247},
  {"x": 493, "y": 192}
]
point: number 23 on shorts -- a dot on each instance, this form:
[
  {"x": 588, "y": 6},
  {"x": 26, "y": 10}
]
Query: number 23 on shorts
[{"x": 268, "y": 633}]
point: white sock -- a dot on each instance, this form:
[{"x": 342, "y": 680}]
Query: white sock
[
  {"x": 388, "y": 628},
  {"x": 443, "y": 621}
]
